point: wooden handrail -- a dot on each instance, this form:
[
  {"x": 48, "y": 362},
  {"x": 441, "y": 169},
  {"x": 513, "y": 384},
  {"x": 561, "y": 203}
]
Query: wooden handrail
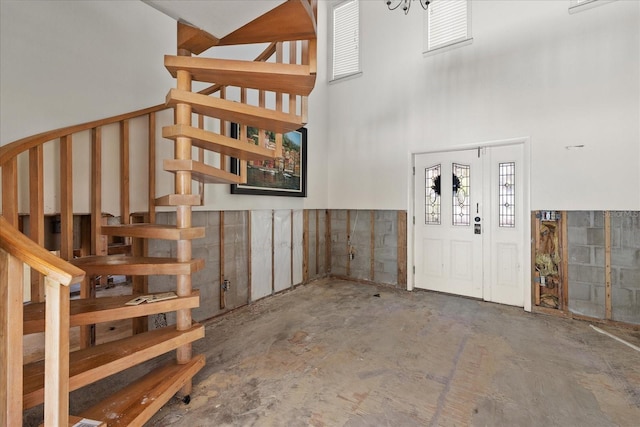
[{"x": 37, "y": 257}]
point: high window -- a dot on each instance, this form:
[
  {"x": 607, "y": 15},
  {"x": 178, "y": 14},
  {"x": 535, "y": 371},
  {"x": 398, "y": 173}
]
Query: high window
[
  {"x": 446, "y": 23},
  {"x": 346, "y": 39}
]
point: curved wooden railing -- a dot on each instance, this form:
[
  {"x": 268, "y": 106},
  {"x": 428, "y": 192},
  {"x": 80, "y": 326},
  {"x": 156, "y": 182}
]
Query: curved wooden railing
[{"x": 16, "y": 249}]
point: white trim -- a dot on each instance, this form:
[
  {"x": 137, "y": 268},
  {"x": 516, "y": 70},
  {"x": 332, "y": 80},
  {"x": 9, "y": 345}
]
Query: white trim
[{"x": 526, "y": 173}]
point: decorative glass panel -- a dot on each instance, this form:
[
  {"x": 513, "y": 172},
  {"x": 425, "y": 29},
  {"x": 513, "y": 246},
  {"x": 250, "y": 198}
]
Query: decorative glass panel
[
  {"x": 432, "y": 195},
  {"x": 461, "y": 210},
  {"x": 507, "y": 194}
]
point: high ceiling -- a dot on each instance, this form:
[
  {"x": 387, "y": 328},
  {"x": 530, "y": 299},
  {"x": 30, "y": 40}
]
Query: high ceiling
[{"x": 217, "y": 17}]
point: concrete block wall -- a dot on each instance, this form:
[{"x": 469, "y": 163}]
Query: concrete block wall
[
  {"x": 585, "y": 235},
  {"x": 355, "y": 232},
  {"x": 236, "y": 240},
  {"x": 625, "y": 266},
  {"x": 586, "y": 250},
  {"x": 386, "y": 247}
]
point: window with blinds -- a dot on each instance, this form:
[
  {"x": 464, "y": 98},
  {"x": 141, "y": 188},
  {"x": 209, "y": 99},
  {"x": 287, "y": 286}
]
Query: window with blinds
[
  {"x": 446, "y": 22},
  {"x": 346, "y": 39}
]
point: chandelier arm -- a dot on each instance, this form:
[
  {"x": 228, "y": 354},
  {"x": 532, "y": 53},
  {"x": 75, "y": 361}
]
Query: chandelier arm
[{"x": 396, "y": 6}]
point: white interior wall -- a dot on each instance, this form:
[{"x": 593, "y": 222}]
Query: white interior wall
[
  {"x": 67, "y": 62},
  {"x": 533, "y": 70}
]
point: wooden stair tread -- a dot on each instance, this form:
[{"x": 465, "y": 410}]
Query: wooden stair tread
[
  {"x": 140, "y": 400},
  {"x": 202, "y": 172},
  {"x": 292, "y": 20},
  {"x": 179, "y": 200},
  {"x": 193, "y": 39},
  {"x": 219, "y": 143},
  {"x": 73, "y": 420},
  {"x": 285, "y": 78},
  {"x": 105, "y": 309},
  {"x": 135, "y": 265},
  {"x": 153, "y": 231},
  {"x": 223, "y": 109},
  {"x": 89, "y": 365}
]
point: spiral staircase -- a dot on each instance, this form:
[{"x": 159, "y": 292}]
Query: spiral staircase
[{"x": 49, "y": 381}]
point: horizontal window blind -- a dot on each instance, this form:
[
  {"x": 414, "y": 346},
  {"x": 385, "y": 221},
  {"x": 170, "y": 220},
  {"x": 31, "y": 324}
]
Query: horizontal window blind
[
  {"x": 346, "y": 39},
  {"x": 446, "y": 23}
]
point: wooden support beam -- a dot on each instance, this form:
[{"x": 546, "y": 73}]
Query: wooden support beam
[
  {"x": 223, "y": 300},
  {"x": 98, "y": 241},
  {"x": 305, "y": 246},
  {"x": 372, "y": 246},
  {"x": 607, "y": 264},
  {"x": 183, "y": 218},
  {"x": 66, "y": 198},
  {"x": 293, "y": 58},
  {"x": 317, "y": 215},
  {"x": 402, "y": 248},
  {"x": 140, "y": 284},
  {"x": 327, "y": 241},
  {"x": 124, "y": 172},
  {"x": 535, "y": 244},
  {"x": 36, "y": 214},
  {"x": 152, "y": 168},
  {"x": 249, "y": 271},
  {"x": 348, "y": 230},
  {"x": 56, "y": 362},
  {"x": 273, "y": 252},
  {"x": 564, "y": 239},
  {"x": 11, "y": 272},
  {"x": 10, "y": 191}
]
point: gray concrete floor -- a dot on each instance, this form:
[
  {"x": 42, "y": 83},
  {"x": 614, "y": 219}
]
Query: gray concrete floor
[{"x": 334, "y": 354}]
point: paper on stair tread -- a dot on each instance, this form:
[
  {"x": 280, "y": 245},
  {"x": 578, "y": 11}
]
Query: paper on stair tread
[
  {"x": 161, "y": 297},
  {"x": 88, "y": 423},
  {"x": 152, "y": 298}
]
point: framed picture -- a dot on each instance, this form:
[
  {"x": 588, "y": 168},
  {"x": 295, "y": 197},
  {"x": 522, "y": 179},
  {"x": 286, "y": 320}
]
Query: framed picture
[{"x": 286, "y": 176}]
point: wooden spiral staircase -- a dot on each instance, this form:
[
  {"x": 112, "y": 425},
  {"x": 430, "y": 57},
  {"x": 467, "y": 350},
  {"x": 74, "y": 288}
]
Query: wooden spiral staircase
[{"x": 49, "y": 381}]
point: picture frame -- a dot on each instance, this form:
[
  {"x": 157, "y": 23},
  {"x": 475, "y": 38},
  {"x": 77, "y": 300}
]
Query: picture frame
[{"x": 278, "y": 177}]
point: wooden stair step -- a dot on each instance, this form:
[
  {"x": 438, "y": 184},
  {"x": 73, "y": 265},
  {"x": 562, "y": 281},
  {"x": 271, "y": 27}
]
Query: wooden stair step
[
  {"x": 73, "y": 420},
  {"x": 285, "y": 78},
  {"x": 105, "y": 309},
  {"x": 89, "y": 365},
  {"x": 179, "y": 200},
  {"x": 153, "y": 231},
  {"x": 194, "y": 39},
  {"x": 237, "y": 112},
  {"x": 136, "y": 266},
  {"x": 292, "y": 20},
  {"x": 140, "y": 400},
  {"x": 202, "y": 172},
  {"x": 219, "y": 143}
]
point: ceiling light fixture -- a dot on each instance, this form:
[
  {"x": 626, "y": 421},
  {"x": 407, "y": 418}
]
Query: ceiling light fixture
[{"x": 406, "y": 4}]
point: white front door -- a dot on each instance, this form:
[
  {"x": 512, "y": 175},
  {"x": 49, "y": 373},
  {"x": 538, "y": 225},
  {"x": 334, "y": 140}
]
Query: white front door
[{"x": 469, "y": 223}]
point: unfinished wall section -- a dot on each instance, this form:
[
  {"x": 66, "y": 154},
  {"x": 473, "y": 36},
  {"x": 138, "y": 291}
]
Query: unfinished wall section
[
  {"x": 585, "y": 235},
  {"x": 318, "y": 263},
  {"x": 597, "y": 239},
  {"x": 365, "y": 246},
  {"x": 625, "y": 266}
]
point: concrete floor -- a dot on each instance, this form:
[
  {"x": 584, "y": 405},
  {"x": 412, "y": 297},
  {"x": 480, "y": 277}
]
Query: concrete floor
[{"x": 335, "y": 353}]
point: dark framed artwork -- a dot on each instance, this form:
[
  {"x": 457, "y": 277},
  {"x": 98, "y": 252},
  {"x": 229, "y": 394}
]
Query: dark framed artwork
[{"x": 286, "y": 176}]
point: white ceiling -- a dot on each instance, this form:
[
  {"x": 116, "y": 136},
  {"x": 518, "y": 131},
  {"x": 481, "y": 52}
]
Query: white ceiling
[{"x": 217, "y": 17}]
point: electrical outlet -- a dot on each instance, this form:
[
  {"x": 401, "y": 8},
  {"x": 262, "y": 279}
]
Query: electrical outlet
[
  {"x": 226, "y": 285},
  {"x": 352, "y": 256}
]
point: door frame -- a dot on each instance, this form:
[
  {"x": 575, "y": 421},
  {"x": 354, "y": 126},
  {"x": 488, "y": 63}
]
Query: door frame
[{"x": 526, "y": 188}]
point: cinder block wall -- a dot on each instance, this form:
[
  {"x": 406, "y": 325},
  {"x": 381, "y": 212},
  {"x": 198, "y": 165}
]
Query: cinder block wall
[
  {"x": 364, "y": 245},
  {"x": 235, "y": 268},
  {"x": 625, "y": 266},
  {"x": 587, "y": 272},
  {"x": 585, "y": 235}
]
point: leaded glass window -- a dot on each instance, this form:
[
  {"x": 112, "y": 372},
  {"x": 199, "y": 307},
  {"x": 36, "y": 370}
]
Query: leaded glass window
[
  {"x": 432, "y": 195},
  {"x": 507, "y": 194},
  {"x": 461, "y": 205}
]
